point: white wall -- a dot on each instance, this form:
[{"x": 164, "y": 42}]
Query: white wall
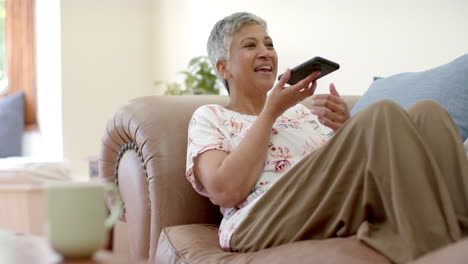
[
  {"x": 107, "y": 59},
  {"x": 367, "y": 37},
  {"x": 171, "y": 46}
]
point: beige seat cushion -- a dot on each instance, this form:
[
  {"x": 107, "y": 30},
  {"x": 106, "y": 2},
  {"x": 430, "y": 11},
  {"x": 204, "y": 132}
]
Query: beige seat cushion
[{"x": 199, "y": 244}]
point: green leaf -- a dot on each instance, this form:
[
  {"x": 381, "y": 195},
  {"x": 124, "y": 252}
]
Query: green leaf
[
  {"x": 173, "y": 89},
  {"x": 199, "y": 79}
]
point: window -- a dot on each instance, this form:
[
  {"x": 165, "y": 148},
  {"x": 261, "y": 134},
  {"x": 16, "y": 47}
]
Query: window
[
  {"x": 3, "y": 77},
  {"x": 17, "y": 61}
]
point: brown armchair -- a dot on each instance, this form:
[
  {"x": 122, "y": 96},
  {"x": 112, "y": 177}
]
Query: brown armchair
[{"x": 144, "y": 151}]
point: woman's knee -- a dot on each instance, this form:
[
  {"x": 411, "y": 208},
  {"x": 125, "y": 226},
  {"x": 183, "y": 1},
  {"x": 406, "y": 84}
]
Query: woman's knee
[
  {"x": 385, "y": 104},
  {"x": 378, "y": 113},
  {"x": 427, "y": 112},
  {"x": 426, "y": 107},
  {"x": 380, "y": 107}
]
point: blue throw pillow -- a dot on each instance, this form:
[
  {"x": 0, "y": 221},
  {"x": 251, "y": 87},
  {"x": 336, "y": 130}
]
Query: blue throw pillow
[
  {"x": 446, "y": 84},
  {"x": 11, "y": 125}
]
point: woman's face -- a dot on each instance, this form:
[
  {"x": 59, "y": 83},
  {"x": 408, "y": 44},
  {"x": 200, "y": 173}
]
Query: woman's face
[{"x": 253, "y": 59}]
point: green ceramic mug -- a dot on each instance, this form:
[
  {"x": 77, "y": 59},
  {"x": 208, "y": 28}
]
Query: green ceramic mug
[{"x": 78, "y": 222}]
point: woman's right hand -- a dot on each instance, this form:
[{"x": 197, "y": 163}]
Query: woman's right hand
[{"x": 282, "y": 98}]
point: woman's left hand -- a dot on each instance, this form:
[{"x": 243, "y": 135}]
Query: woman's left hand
[{"x": 331, "y": 109}]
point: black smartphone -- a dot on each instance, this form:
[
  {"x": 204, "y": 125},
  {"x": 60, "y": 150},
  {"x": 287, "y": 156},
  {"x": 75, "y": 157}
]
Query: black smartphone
[{"x": 305, "y": 69}]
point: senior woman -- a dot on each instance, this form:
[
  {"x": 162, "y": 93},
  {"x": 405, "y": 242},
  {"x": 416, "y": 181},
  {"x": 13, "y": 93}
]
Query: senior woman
[{"x": 396, "y": 178}]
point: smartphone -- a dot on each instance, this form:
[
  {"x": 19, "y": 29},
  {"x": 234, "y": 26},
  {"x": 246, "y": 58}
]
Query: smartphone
[{"x": 305, "y": 69}]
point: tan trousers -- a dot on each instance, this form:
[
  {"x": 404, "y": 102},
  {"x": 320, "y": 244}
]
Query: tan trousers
[{"x": 398, "y": 179}]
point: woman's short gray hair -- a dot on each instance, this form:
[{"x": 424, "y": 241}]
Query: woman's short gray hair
[{"x": 220, "y": 38}]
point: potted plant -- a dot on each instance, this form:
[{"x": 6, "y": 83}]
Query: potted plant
[{"x": 199, "y": 79}]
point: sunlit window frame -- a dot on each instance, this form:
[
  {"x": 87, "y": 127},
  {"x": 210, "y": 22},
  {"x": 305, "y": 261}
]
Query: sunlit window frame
[
  {"x": 20, "y": 55},
  {"x": 3, "y": 77}
]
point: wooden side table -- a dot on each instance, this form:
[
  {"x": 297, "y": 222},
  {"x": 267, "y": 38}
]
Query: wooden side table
[{"x": 21, "y": 248}]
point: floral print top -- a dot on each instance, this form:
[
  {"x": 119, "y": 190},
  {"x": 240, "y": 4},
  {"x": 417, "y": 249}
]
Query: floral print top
[{"x": 295, "y": 133}]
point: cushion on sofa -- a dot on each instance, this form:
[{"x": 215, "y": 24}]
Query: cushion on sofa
[
  {"x": 11, "y": 125},
  {"x": 199, "y": 244},
  {"x": 446, "y": 84}
]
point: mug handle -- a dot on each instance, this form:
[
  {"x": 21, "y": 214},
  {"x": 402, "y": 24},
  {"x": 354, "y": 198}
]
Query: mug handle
[{"x": 117, "y": 207}]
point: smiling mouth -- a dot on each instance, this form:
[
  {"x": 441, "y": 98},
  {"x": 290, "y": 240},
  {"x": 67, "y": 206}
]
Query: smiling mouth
[{"x": 263, "y": 69}]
